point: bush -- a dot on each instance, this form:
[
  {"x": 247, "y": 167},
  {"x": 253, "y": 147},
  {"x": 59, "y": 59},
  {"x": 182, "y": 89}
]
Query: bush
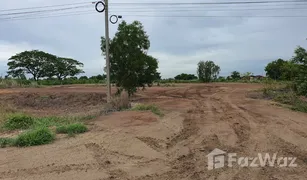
[
  {"x": 120, "y": 102},
  {"x": 71, "y": 129},
  {"x": 284, "y": 93},
  {"x": 4, "y": 142},
  {"x": 18, "y": 121},
  {"x": 143, "y": 107},
  {"x": 35, "y": 137}
]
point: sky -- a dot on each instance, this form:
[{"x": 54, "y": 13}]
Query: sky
[{"x": 237, "y": 40}]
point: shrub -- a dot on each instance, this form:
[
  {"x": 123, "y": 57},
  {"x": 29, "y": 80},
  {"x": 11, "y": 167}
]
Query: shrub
[
  {"x": 72, "y": 129},
  {"x": 120, "y": 102},
  {"x": 35, "y": 137},
  {"x": 18, "y": 121},
  {"x": 4, "y": 142},
  {"x": 143, "y": 107}
]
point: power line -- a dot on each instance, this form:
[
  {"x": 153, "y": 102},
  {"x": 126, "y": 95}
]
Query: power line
[
  {"x": 48, "y": 16},
  {"x": 40, "y": 7},
  {"x": 159, "y": 4},
  {"x": 152, "y": 16},
  {"x": 212, "y": 3},
  {"x": 42, "y": 12},
  {"x": 48, "y": 10},
  {"x": 173, "y": 10},
  {"x": 208, "y": 10}
]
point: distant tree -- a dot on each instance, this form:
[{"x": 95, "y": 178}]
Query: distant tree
[
  {"x": 235, "y": 75},
  {"x": 99, "y": 77},
  {"x": 131, "y": 67},
  {"x": 64, "y": 67},
  {"x": 184, "y": 76},
  {"x": 247, "y": 74},
  {"x": 83, "y": 78},
  {"x": 221, "y": 79},
  {"x": 207, "y": 71},
  {"x": 35, "y": 62}
]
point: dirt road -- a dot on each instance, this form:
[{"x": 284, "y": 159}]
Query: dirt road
[{"x": 143, "y": 146}]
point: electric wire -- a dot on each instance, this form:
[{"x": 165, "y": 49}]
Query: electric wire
[
  {"x": 67, "y": 11},
  {"x": 165, "y": 3}
]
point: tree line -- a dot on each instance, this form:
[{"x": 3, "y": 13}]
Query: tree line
[
  {"x": 132, "y": 68},
  {"x": 293, "y": 69}
]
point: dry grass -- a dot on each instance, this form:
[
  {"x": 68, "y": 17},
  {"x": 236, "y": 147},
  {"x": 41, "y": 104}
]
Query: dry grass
[{"x": 120, "y": 102}]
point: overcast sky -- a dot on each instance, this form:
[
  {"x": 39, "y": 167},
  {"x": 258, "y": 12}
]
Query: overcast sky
[{"x": 234, "y": 43}]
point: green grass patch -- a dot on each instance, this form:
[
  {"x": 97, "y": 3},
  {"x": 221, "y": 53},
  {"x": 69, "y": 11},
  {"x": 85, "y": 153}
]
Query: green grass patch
[
  {"x": 72, "y": 129},
  {"x": 144, "y": 107},
  {"x": 35, "y": 137},
  {"x": 18, "y": 121},
  {"x": 5, "y": 142}
]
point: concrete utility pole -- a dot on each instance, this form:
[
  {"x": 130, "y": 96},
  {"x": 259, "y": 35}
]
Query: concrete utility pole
[{"x": 107, "y": 50}]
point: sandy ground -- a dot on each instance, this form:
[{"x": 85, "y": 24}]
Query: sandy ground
[{"x": 143, "y": 146}]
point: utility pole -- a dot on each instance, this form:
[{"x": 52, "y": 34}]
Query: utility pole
[{"x": 107, "y": 50}]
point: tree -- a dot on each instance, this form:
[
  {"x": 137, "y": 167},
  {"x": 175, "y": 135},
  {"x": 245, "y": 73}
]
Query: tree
[
  {"x": 274, "y": 69},
  {"x": 184, "y": 76},
  {"x": 207, "y": 71},
  {"x": 289, "y": 70},
  {"x": 300, "y": 59},
  {"x": 235, "y": 75},
  {"x": 131, "y": 67},
  {"x": 34, "y": 62},
  {"x": 83, "y": 78},
  {"x": 99, "y": 77},
  {"x": 247, "y": 74},
  {"x": 64, "y": 67}
]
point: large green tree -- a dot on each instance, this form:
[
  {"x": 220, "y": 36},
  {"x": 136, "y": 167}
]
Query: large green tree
[
  {"x": 207, "y": 71},
  {"x": 41, "y": 64},
  {"x": 131, "y": 67},
  {"x": 35, "y": 62},
  {"x": 274, "y": 69},
  {"x": 64, "y": 67}
]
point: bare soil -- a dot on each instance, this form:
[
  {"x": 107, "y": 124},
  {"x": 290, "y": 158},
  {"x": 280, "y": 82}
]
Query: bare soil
[{"x": 142, "y": 146}]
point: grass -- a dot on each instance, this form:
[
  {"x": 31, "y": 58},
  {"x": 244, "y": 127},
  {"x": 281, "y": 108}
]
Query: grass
[
  {"x": 18, "y": 121},
  {"x": 39, "y": 128},
  {"x": 35, "y": 137},
  {"x": 284, "y": 94},
  {"x": 120, "y": 102},
  {"x": 72, "y": 129},
  {"x": 15, "y": 83},
  {"x": 5, "y": 142},
  {"x": 144, "y": 107}
]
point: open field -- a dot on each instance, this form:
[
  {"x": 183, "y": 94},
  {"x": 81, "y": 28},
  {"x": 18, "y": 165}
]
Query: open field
[{"x": 143, "y": 146}]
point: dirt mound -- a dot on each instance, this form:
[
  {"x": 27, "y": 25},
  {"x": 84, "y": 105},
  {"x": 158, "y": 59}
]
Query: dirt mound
[{"x": 55, "y": 102}]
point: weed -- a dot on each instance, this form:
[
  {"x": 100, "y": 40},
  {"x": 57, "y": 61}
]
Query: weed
[
  {"x": 143, "y": 107},
  {"x": 51, "y": 121},
  {"x": 120, "y": 102},
  {"x": 72, "y": 129},
  {"x": 35, "y": 137},
  {"x": 4, "y": 142},
  {"x": 284, "y": 93},
  {"x": 18, "y": 121}
]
